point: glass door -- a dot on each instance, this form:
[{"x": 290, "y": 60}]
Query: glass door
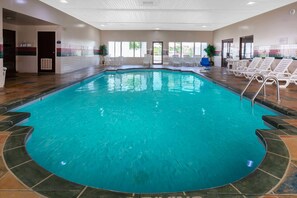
[
  {"x": 246, "y": 47},
  {"x": 157, "y": 53},
  {"x": 226, "y": 51}
]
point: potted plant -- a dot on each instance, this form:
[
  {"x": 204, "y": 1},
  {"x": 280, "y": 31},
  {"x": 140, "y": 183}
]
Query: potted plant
[
  {"x": 103, "y": 52},
  {"x": 210, "y": 51}
]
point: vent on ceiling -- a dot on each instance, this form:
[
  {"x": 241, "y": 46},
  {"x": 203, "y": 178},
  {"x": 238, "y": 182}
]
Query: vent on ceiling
[{"x": 149, "y": 2}]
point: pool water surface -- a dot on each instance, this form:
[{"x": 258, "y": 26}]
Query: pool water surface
[{"x": 146, "y": 131}]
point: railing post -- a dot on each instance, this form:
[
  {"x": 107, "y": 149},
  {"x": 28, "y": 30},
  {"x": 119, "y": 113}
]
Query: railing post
[
  {"x": 263, "y": 85},
  {"x": 253, "y": 77}
]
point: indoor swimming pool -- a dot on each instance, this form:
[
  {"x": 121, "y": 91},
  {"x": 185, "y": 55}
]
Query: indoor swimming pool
[{"x": 146, "y": 131}]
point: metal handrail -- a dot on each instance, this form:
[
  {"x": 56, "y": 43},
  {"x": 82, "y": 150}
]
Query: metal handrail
[
  {"x": 253, "y": 77},
  {"x": 263, "y": 84}
]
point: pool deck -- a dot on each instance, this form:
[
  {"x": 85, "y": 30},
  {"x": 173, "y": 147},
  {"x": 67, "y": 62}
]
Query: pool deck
[{"x": 22, "y": 177}]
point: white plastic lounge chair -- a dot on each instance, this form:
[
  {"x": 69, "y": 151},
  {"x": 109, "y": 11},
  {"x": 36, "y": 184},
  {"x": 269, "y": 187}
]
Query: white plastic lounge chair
[
  {"x": 196, "y": 60},
  {"x": 2, "y": 76},
  {"x": 293, "y": 77},
  {"x": 287, "y": 78},
  {"x": 175, "y": 60},
  {"x": 107, "y": 60},
  {"x": 119, "y": 60},
  {"x": 187, "y": 60},
  {"x": 253, "y": 65},
  {"x": 147, "y": 59},
  {"x": 265, "y": 66},
  {"x": 281, "y": 68}
]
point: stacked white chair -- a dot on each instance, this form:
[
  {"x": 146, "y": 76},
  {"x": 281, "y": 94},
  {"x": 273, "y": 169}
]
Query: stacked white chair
[
  {"x": 253, "y": 65},
  {"x": 265, "y": 66}
]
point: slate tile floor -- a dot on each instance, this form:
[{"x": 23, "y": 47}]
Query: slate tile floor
[{"x": 281, "y": 142}]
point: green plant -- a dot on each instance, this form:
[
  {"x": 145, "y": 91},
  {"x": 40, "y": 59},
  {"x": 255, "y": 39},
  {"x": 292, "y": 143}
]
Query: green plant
[
  {"x": 210, "y": 51},
  {"x": 103, "y": 50}
]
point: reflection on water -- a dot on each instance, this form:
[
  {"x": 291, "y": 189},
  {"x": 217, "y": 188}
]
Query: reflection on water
[{"x": 157, "y": 81}]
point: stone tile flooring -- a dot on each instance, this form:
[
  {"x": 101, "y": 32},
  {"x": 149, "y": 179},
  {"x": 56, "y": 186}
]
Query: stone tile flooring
[{"x": 27, "y": 87}]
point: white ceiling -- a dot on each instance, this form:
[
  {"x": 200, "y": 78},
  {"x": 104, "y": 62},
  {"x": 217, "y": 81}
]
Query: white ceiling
[{"x": 202, "y": 15}]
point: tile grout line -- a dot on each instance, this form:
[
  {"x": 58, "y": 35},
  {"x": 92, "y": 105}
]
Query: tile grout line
[
  {"x": 83, "y": 190},
  {"x": 21, "y": 164},
  {"x": 269, "y": 173},
  {"x": 19, "y": 134},
  {"x": 237, "y": 189},
  {"x": 278, "y": 155},
  {"x": 41, "y": 181},
  {"x": 24, "y": 127},
  {"x": 13, "y": 148},
  {"x": 4, "y": 175},
  {"x": 283, "y": 132}
]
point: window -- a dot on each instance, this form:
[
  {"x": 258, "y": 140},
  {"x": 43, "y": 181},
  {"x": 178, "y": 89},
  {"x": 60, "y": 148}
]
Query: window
[
  {"x": 117, "y": 49},
  {"x": 186, "y": 48},
  {"x": 114, "y": 49},
  {"x": 111, "y": 49},
  {"x": 143, "y": 49},
  {"x": 199, "y": 49},
  {"x": 174, "y": 48},
  {"x": 127, "y": 48}
]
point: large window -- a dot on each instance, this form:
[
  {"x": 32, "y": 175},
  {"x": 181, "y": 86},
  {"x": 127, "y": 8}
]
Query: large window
[
  {"x": 127, "y": 48},
  {"x": 174, "y": 48},
  {"x": 187, "y": 48}
]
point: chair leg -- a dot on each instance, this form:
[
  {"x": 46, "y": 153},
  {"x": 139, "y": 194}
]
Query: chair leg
[{"x": 287, "y": 82}]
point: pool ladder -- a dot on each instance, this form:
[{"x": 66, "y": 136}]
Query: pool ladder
[{"x": 262, "y": 86}]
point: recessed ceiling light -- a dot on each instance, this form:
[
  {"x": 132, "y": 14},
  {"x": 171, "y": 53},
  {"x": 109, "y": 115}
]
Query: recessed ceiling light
[
  {"x": 157, "y": 28},
  {"x": 63, "y": 1},
  {"x": 80, "y": 25},
  {"x": 204, "y": 26},
  {"x": 251, "y": 3},
  {"x": 102, "y": 25},
  {"x": 21, "y": 1}
]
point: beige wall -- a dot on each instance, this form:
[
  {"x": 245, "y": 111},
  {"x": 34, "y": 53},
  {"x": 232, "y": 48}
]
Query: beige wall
[
  {"x": 154, "y": 35},
  {"x": 274, "y": 30},
  {"x": 71, "y": 32}
]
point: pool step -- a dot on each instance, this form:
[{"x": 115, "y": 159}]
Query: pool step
[
  {"x": 282, "y": 122},
  {"x": 12, "y": 118}
]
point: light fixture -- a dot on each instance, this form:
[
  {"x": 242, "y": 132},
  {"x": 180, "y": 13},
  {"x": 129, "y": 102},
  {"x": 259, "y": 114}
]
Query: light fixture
[
  {"x": 81, "y": 25},
  {"x": 204, "y": 26},
  {"x": 157, "y": 28},
  {"x": 63, "y": 1},
  {"x": 102, "y": 25},
  {"x": 251, "y": 3},
  {"x": 21, "y": 1}
]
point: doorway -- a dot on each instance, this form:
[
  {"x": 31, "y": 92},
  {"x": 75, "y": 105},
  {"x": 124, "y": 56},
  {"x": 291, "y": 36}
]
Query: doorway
[
  {"x": 226, "y": 51},
  {"x": 157, "y": 53},
  {"x": 246, "y": 47},
  {"x": 46, "y": 52},
  {"x": 9, "y": 52}
]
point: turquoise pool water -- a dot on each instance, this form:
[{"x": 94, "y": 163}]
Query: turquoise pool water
[{"x": 146, "y": 131}]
